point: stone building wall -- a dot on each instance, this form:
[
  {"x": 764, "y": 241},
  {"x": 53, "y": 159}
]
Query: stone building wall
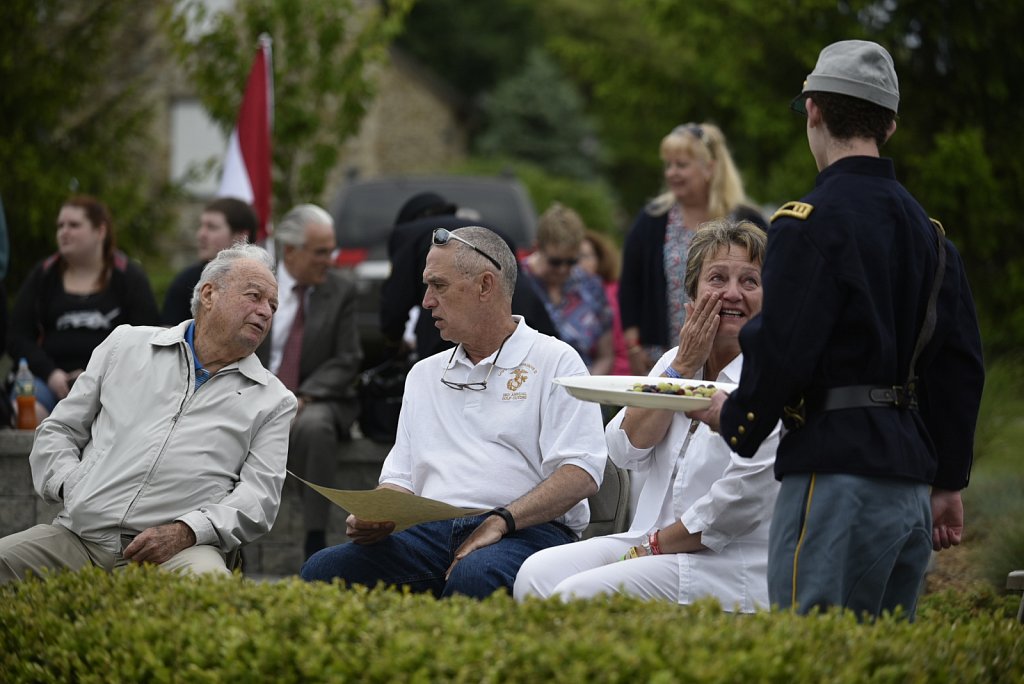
[{"x": 415, "y": 125}]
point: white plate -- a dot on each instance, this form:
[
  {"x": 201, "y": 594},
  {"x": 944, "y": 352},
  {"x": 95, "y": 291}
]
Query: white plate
[{"x": 615, "y": 390}]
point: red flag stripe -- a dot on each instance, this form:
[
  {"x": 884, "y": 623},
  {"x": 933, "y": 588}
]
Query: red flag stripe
[{"x": 252, "y": 136}]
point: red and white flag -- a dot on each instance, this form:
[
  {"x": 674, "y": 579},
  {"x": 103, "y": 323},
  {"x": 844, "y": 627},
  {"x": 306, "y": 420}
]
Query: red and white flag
[{"x": 246, "y": 172}]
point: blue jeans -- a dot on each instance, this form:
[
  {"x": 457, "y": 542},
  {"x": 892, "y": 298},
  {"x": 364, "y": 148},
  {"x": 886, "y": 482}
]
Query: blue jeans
[{"x": 419, "y": 557}]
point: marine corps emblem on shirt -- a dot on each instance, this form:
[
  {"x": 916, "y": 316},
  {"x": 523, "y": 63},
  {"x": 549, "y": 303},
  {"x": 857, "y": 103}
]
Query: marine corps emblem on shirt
[{"x": 519, "y": 378}]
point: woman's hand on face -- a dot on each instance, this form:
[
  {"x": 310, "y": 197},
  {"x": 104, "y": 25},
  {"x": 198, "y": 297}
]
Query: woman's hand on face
[{"x": 698, "y": 334}]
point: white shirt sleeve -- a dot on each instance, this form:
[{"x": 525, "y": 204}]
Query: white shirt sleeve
[{"x": 740, "y": 500}]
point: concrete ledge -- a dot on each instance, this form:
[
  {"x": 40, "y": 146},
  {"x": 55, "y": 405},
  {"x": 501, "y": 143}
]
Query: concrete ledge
[
  {"x": 20, "y": 508},
  {"x": 16, "y": 442}
]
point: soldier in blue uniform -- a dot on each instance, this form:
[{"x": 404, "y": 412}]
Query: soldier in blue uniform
[{"x": 868, "y": 348}]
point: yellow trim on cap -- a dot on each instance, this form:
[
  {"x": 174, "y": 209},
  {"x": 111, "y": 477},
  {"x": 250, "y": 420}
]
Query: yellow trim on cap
[
  {"x": 938, "y": 225},
  {"x": 797, "y": 210}
]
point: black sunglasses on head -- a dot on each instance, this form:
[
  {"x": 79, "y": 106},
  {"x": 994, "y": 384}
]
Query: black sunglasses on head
[
  {"x": 442, "y": 236},
  {"x": 696, "y": 130}
]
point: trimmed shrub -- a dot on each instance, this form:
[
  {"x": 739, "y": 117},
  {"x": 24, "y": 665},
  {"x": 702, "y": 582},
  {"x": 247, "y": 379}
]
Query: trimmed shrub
[{"x": 146, "y": 625}]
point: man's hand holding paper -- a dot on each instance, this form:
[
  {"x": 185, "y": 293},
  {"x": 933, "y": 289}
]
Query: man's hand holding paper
[{"x": 376, "y": 513}]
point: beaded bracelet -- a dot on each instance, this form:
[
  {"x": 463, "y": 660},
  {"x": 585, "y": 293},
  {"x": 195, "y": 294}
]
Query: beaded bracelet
[
  {"x": 655, "y": 546},
  {"x": 672, "y": 373}
]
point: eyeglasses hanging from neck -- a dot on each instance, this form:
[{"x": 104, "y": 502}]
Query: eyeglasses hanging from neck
[{"x": 472, "y": 386}]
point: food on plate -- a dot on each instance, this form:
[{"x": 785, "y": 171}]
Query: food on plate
[{"x": 676, "y": 389}]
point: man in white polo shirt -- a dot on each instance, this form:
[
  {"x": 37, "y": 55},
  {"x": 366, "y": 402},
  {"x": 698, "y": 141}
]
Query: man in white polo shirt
[{"x": 482, "y": 426}]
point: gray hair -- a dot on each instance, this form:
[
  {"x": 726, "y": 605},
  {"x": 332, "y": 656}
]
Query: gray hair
[
  {"x": 218, "y": 268},
  {"x": 291, "y": 229},
  {"x": 712, "y": 236},
  {"x": 469, "y": 262}
]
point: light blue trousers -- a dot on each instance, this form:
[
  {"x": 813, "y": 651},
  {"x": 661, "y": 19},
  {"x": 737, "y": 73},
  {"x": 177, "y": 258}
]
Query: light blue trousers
[{"x": 862, "y": 543}]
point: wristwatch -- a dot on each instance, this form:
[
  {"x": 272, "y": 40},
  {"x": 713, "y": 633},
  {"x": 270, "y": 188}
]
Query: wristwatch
[
  {"x": 646, "y": 544},
  {"x": 505, "y": 515}
]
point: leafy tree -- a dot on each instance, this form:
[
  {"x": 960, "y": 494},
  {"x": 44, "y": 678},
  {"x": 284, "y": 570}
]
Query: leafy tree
[
  {"x": 77, "y": 117},
  {"x": 646, "y": 65},
  {"x": 649, "y": 66},
  {"x": 473, "y": 45},
  {"x": 538, "y": 117},
  {"x": 324, "y": 55}
]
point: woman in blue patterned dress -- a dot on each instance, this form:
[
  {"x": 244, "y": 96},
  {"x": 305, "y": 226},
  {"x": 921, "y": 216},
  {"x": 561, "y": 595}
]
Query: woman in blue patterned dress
[{"x": 574, "y": 299}]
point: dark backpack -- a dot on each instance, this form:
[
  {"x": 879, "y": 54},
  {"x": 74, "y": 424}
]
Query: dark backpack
[{"x": 380, "y": 398}]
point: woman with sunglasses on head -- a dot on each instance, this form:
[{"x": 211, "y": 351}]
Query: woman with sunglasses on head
[
  {"x": 574, "y": 298},
  {"x": 702, "y": 184},
  {"x": 700, "y": 528}
]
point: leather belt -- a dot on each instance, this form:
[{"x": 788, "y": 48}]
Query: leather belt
[
  {"x": 865, "y": 396},
  {"x": 870, "y": 396}
]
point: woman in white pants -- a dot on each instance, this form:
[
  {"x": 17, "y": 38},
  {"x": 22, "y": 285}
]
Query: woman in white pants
[{"x": 701, "y": 524}]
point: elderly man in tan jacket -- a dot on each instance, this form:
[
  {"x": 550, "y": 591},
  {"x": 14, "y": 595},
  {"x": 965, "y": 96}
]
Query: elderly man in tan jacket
[{"x": 171, "y": 447}]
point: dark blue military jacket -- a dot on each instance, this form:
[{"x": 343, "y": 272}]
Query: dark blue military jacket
[{"x": 845, "y": 293}]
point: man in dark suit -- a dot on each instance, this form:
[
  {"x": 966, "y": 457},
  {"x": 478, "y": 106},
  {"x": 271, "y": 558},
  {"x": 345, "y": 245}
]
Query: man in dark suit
[{"x": 314, "y": 350}]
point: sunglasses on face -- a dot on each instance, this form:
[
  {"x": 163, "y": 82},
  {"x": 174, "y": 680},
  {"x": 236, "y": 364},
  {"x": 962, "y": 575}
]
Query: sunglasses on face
[
  {"x": 557, "y": 262},
  {"x": 443, "y": 236}
]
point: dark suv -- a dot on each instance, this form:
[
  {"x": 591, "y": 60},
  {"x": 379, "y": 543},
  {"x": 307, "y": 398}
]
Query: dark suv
[{"x": 364, "y": 214}]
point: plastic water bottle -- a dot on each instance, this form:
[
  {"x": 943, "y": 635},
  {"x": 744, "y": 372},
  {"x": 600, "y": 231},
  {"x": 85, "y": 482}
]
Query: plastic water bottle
[{"x": 25, "y": 391}]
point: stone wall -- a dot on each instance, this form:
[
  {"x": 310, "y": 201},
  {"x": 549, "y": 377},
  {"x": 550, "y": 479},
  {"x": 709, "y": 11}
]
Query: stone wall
[{"x": 20, "y": 508}]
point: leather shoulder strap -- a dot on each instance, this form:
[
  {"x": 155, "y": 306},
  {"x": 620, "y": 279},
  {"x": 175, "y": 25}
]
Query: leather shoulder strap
[{"x": 928, "y": 327}]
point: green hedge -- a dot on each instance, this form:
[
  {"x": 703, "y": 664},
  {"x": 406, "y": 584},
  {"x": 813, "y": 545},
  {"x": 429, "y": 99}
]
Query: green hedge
[{"x": 144, "y": 625}]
